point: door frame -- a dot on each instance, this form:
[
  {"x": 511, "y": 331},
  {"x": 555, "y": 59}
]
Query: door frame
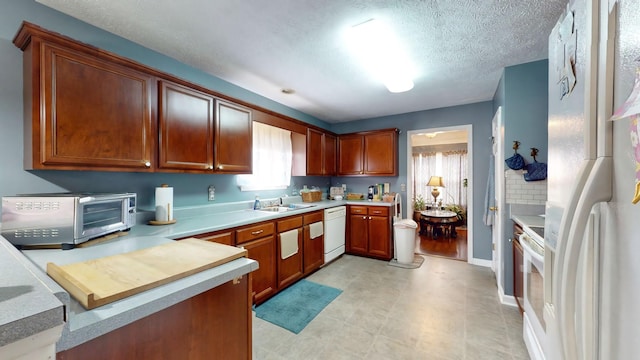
[
  {"x": 470, "y": 209},
  {"x": 498, "y": 214}
]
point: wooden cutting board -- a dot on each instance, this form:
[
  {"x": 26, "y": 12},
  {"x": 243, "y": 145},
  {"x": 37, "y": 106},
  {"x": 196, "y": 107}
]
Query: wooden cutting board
[{"x": 101, "y": 281}]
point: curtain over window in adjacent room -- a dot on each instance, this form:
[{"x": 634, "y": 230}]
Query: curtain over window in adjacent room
[
  {"x": 452, "y": 165},
  {"x": 272, "y": 159}
]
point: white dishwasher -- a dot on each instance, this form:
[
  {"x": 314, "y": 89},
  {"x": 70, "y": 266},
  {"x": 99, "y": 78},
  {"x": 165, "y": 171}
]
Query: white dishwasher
[{"x": 335, "y": 221}]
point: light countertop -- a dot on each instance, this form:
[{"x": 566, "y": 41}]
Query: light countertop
[
  {"x": 29, "y": 283},
  {"x": 27, "y": 305}
]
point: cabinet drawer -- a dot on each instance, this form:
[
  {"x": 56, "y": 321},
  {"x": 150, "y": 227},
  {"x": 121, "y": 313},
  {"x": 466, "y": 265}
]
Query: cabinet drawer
[
  {"x": 254, "y": 232},
  {"x": 379, "y": 210},
  {"x": 312, "y": 218},
  {"x": 358, "y": 210},
  {"x": 289, "y": 223},
  {"x": 225, "y": 238}
]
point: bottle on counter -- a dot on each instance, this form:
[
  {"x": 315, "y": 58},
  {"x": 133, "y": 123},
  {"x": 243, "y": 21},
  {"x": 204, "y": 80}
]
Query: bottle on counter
[{"x": 256, "y": 204}]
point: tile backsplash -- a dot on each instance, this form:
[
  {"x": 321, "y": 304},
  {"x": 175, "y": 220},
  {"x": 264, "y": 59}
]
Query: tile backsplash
[{"x": 520, "y": 191}]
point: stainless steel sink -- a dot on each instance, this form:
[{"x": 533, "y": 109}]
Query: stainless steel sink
[
  {"x": 275, "y": 209},
  {"x": 291, "y": 207}
]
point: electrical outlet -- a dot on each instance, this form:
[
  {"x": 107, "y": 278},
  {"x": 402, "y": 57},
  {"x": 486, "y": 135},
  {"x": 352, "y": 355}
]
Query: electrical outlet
[
  {"x": 212, "y": 193},
  {"x": 403, "y": 187}
]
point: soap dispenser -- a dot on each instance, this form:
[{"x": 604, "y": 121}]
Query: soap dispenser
[{"x": 256, "y": 204}]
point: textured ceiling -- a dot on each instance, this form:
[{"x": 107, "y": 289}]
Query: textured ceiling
[{"x": 459, "y": 46}]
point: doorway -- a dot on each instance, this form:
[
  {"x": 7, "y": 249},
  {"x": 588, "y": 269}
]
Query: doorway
[{"x": 445, "y": 138}]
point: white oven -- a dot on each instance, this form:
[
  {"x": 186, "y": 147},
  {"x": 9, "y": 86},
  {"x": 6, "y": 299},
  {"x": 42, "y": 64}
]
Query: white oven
[{"x": 534, "y": 325}]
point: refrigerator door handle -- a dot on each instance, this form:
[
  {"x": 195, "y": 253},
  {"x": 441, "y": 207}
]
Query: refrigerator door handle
[{"x": 598, "y": 188}]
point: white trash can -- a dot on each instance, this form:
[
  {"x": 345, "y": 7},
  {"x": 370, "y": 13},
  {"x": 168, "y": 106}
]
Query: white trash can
[{"x": 405, "y": 240}]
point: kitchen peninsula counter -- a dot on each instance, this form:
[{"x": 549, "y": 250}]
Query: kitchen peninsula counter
[
  {"x": 30, "y": 314},
  {"x": 84, "y": 325}
]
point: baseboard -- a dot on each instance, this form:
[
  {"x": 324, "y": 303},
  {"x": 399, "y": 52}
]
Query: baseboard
[
  {"x": 506, "y": 299},
  {"x": 480, "y": 262}
]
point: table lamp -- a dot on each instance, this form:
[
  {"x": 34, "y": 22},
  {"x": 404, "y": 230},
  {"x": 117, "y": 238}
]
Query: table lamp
[{"x": 435, "y": 181}]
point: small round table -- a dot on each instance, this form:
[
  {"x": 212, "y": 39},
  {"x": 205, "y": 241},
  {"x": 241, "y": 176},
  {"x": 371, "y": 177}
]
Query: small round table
[{"x": 438, "y": 219}]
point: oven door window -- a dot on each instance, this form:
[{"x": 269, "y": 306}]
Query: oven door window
[
  {"x": 100, "y": 216},
  {"x": 534, "y": 295}
]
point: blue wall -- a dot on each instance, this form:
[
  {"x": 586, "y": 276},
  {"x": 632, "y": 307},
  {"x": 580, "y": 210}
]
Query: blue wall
[
  {"x": 479, "y": 115},
  {"x": 523, "y": 95},
  {"x": 191, "y": 189}
]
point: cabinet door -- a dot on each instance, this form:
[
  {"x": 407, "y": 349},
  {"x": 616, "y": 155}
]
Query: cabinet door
[
  {"x": 289, "y": 269},
  {"x": 97, "y": 114},
  {"x": 186, "y": 128},
  {"x": 263, "y": 251},
  {"x": 350, "y": 151},
  {"x": 233, "y": 139},
  {"x": 313, "y": 251},
  {"x": 379, "y": 237},
  {"x": 358, "y": 234},
  {"x": 381, "y": 153},
  {"x": 329, "y": 152},
  {"x": 314, "y": 152}
]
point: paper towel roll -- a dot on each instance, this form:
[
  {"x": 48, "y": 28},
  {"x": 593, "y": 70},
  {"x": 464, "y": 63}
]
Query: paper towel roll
[{"x": 164, "y": 203}]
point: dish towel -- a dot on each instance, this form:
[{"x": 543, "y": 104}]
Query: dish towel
[
  {"x": 288, "y": 243},
  {"x": 489, "y": 196},
  {"x": 316, "y": 229}
]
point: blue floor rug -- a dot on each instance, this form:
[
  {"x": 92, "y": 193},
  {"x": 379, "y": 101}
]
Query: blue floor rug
[{"x": 295, "y": 307}]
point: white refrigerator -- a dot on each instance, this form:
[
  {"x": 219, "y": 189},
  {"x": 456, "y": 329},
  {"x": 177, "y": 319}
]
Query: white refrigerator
[{"x": 592, "y": 242}]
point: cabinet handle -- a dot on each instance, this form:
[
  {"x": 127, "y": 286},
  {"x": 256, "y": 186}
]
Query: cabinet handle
[
  {"x": 254, "y": 233},
  {"x": 364, "y": 218},
  {"x": 210, "y": 167},
  {"x": 147, "y": 164},
  {"x": 220, "y": 167},
  {"x": 369, "y": 217}
]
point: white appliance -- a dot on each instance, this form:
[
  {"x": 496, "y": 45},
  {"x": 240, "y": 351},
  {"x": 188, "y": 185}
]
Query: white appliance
[
  {"x": 592, "y": 290},
  {"x": 532, "y": 244},
  {"x": 335, "y": 221}
]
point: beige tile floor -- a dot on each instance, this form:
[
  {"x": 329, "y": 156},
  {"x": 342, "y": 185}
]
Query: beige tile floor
[{"x": 445, "y": 309}]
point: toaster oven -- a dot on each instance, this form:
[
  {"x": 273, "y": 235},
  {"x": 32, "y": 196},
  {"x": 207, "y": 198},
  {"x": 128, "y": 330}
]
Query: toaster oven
[{"x": 65, "y": 219}]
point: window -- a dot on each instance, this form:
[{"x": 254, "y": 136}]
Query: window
[{"x": 272, "y": 158}]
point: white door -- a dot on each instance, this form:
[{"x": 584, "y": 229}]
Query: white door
[{"x": 497, "y": 232}]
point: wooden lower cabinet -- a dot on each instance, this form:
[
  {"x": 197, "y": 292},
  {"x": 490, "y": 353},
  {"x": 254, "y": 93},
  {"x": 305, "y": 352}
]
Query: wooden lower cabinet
[
  {"x": 263, "y": 251},
  {"x": 214, "y": 324},
  {"x": 369, "y": 231},
  {"x": 221, "y": 237},
  {"x": 313, "y": 249},
  {"x": 289, "y": 268}
]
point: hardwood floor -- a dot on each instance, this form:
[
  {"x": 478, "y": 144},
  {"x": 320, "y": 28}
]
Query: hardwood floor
[{"x": 452, "y": 248}]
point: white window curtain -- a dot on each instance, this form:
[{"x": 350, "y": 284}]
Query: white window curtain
[
  {"x": 424, "y": 165},
  {"x": 272, "y": 158},
  {"x": 451, "y": 165},
  {"x": 454, "y": 173}
]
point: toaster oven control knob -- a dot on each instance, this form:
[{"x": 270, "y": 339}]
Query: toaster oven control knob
[{"x": 147, "y": 164}]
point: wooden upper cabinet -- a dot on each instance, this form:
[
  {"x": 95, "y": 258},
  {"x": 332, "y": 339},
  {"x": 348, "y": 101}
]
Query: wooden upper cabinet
[
  {"x": 314, "y": 152},
  {"x": 186, "y": 128},
  {"x": 350, "y": 152},
  {"x": 321, "y": 153},
  {"x": 84, "y": 111},
  {"x": 201, "y": 133},
  {"x": 233, "y": 139},
  {"x": 373, "y": 153},
  {"x": 381, "y": 153},
  {"x": 330, "y": 150}
]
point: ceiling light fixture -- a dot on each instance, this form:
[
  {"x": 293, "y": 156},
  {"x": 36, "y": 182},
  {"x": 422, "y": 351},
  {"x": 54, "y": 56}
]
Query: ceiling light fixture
[
  {"x": 381, "y": 53},
  {"x": 288, "y": 91}
]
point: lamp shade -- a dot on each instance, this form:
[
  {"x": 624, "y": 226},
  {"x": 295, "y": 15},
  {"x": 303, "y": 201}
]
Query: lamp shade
[{"x": 435, "y": 181}]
